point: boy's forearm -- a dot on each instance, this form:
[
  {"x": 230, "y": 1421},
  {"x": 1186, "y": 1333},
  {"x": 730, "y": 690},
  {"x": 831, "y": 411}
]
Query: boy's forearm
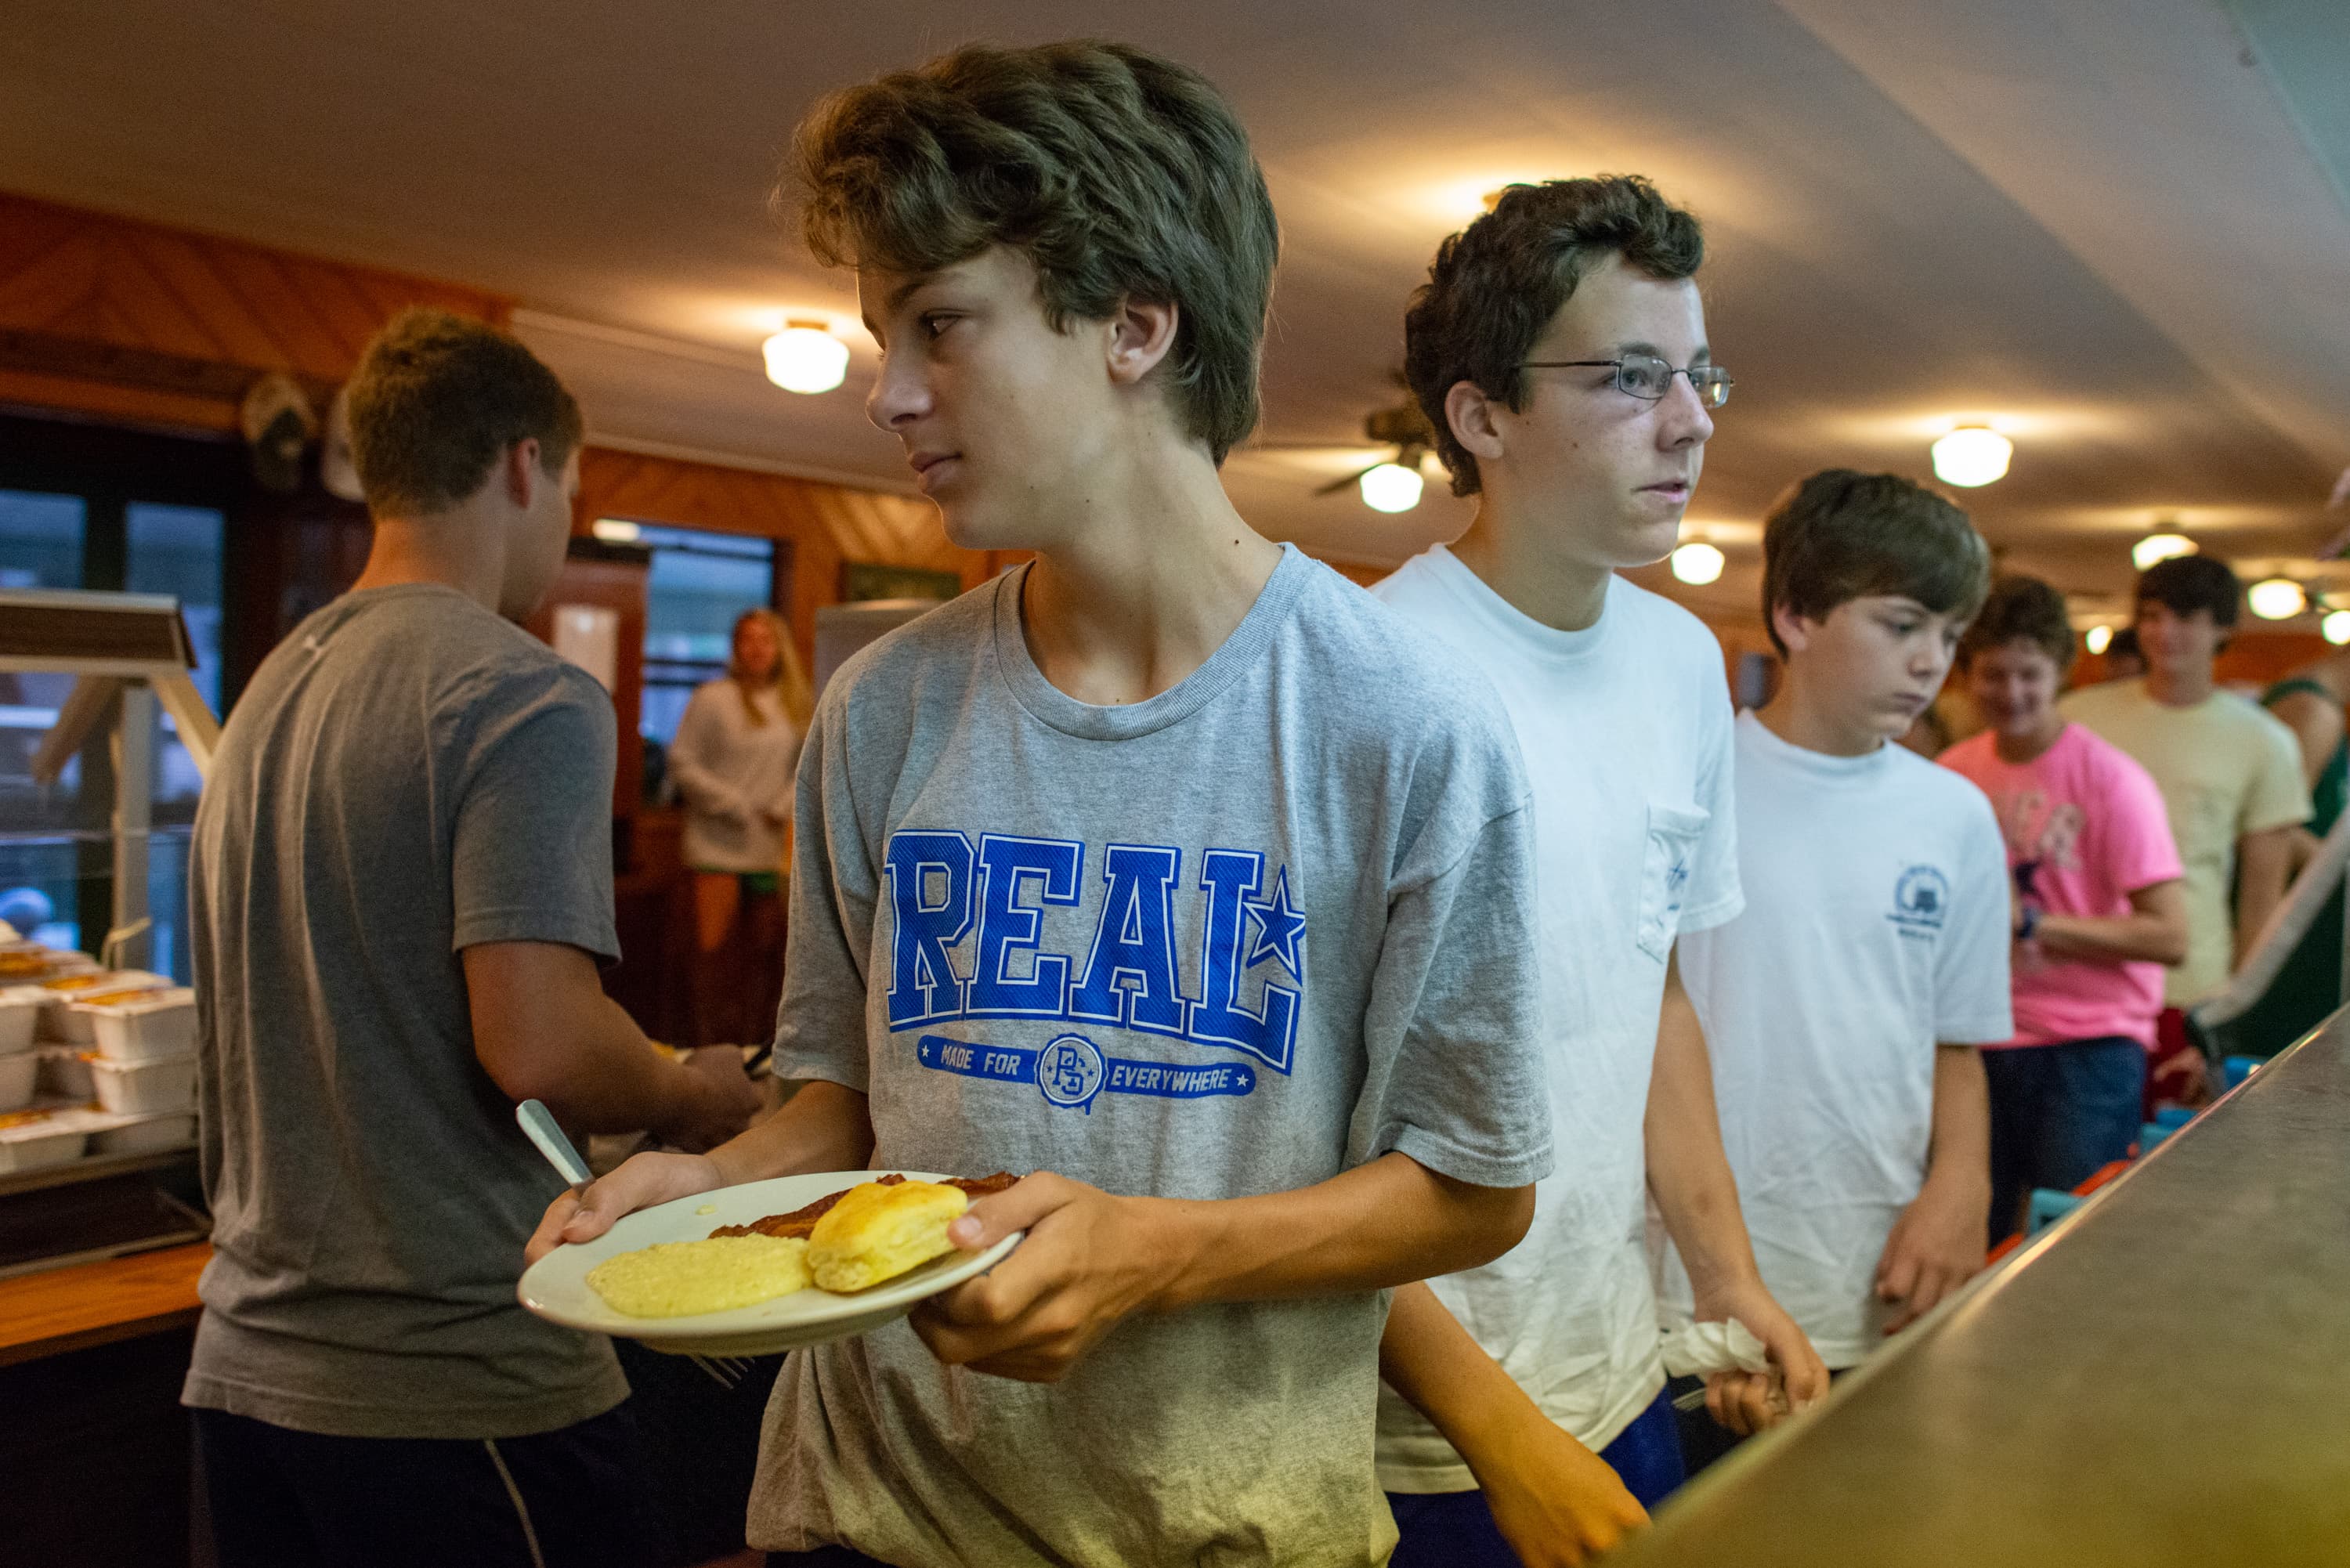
[
  {"x": 1382, "y": 1224},
  {"x": 1429, "y": 1360},
  {"x": 1689, "y": 1174},
  {"x": 1958, "y": 1156},
  {"x": 2119, "y": 938},
  {"x": 824, "y": 1127},
  {"x": 2263, "y": 871}
]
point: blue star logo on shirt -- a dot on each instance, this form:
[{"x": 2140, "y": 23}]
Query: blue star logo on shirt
[{"x": 1276, "y": 927}]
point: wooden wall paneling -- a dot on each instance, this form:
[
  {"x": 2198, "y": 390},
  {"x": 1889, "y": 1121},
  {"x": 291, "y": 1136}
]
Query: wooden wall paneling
[{"x": 93, "y": 279}]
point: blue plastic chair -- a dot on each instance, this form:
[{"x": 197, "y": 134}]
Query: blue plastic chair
[
  {"x": 2046, "y": 1207},
  {"x": 2234, "y": 1070},
  {"x": 2151, "y": 1134}
]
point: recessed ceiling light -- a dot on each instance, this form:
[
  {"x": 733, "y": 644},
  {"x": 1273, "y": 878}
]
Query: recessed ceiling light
[
  {"x": 1697, "y": 563},
  {"x": 2160, "y": 547},
  {"x": 804, "y": 357},
  {"x": 2098, "y": 639},
  {"x": 2335, "y": 628},
  {"x": 1971, "y": 455},
  {"x": 2276, "y": 598}
]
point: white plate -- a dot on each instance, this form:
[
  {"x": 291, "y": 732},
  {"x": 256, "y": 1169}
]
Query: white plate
[{"x": 556, "y": 1288}]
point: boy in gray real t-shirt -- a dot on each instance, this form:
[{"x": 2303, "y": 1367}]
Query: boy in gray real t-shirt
[{"x": 1170, "y": 867}]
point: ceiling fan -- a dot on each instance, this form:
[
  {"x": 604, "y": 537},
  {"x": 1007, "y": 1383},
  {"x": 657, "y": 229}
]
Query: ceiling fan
[
  {"x": 1401, "y": 426},
  {"x": 1390, "y": 484}
]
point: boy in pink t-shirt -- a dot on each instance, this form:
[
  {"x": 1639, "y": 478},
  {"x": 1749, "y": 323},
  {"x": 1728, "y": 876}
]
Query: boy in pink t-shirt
[{"x": 2099, "y": 909}]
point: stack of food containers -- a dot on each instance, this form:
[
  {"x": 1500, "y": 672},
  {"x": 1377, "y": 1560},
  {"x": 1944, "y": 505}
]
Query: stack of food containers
[{"x": 71, "y": 1033}]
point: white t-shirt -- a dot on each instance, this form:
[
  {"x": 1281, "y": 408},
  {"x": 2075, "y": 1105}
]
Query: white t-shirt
[
  {"x": 1626, "y": 732},
  {"x": 1876, "y": 925},
  {"x": 732, "y": 773}
]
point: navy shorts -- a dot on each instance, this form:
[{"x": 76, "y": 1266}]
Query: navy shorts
[
  {"x": 2059, "y": 1114},
  {"x": 573, "y": 1498},
  {"x": 1456, "y": 1528}
]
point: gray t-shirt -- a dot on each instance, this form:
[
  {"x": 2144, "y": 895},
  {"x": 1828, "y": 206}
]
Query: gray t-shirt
[
  {"x": 1234, "y": 939},
  {"x": 408, "y": 775}
]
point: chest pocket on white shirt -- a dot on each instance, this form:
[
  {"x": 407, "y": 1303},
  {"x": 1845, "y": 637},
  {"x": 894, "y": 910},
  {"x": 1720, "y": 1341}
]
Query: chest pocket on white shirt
[{"x": 1667, "y": 863}]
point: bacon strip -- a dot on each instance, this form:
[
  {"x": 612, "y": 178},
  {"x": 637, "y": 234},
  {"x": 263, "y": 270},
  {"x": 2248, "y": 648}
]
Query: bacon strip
[{"x": 800, "y": 1222}]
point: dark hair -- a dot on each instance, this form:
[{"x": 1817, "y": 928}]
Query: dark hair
[
  {"x": 1496, "y": 285},
  {"x": 2123, "y": 645},
  {"x": 1841, "y": 535},
  {"x": 437, "y": 398},
  {"x": 2022, "y": 610},
  {"x": 2185, "y": 584},
  {"x": 1121, "y": 175}
]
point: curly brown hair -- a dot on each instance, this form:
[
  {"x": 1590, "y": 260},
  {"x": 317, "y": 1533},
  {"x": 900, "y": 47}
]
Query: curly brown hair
[
  {"x": 1496, "y": 285},
  {"x": 1841, "y": 535},
  {"x": 1121, "y": 175},
  {"x": 435, "y": 401}
]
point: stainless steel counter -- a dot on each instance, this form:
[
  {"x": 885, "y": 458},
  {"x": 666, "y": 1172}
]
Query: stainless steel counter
[{"x": 2163, "y": 1378}]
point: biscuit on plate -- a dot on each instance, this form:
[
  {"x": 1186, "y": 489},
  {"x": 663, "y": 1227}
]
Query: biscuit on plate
[{"x": 877, "y": 1232}]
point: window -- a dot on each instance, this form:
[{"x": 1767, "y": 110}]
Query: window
[
  {"x": 40, "y": 540},
  {"x": 176, "y": 550},
  {"x": 700, "y": 583},
  {"x": 55, "y": 842}
]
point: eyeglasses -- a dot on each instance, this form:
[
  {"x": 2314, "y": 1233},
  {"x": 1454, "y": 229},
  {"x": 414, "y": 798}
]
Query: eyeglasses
[{"x": 1648, "y": 379}]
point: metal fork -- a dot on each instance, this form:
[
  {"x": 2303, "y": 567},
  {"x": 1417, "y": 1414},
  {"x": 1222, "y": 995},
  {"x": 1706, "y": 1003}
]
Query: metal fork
[{"x": 538, "y": 1125}]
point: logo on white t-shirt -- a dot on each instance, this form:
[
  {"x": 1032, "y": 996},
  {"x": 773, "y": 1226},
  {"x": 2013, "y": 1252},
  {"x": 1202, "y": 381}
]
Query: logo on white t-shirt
[{"x": 1921, "y": 899}]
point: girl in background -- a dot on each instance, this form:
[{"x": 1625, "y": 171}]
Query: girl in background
[{"x": 737, "y": 749}]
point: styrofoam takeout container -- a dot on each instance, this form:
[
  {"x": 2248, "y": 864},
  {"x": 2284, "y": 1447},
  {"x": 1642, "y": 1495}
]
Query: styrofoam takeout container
[
  {"x": 60, "y": 1023},
  {"x": 18, "y": 1074},
  {"x": 38, "y": 1145},
  {"x": 148, "y": 1135},
  {"x": 20, "y": 1009},
  {"x": 64, "y": 1072},
  {"x": 143, "y": 1027},
  {"x": 165, "y": 1084}
]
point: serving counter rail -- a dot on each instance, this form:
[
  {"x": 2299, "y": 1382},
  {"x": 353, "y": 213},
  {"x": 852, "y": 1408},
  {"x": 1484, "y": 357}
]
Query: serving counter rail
[{"x": 2162, "y": 1379}]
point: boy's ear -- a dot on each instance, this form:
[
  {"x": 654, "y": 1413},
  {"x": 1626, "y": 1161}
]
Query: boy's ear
[
  {"x": 1470, "y": 413},
  {"x": 1794, "y": 631},
  {"x": 1142, "y": 332}
]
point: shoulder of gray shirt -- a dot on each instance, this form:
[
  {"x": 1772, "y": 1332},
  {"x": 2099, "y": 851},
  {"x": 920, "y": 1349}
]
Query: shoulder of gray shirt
[{"x": 1392, "y": 687}]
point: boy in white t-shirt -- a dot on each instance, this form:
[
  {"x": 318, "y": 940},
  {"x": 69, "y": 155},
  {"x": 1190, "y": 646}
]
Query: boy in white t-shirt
[
  {"x": 1559, "y": 348},
  {"x": 1844, "y": 1007}
]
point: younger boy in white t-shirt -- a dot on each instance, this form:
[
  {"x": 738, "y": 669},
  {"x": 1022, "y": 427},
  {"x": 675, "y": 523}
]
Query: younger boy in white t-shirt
[{"x": 1844, "y": 1005}]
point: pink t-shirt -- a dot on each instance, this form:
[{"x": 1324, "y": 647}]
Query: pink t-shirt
[{"x": 2094, "y": 821}]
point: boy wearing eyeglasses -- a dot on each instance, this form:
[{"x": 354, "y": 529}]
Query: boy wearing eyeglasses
[{"x": 1559, "y": 349}]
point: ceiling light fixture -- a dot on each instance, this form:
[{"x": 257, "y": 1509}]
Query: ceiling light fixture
[
  {"x": 2276, "y": 598},
  {"x": 804, "y": 357},
  {"x": 615, "y": 530},
  {"x": 2160, "y": 547},
  {"x": 1697, "y": 563},
  {"x": 1971, "y": 455},
  {"x": 2098, "y": 639},
  {"x": 2335, "y": 628},
  {"x": 1390, "y": 487}
]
